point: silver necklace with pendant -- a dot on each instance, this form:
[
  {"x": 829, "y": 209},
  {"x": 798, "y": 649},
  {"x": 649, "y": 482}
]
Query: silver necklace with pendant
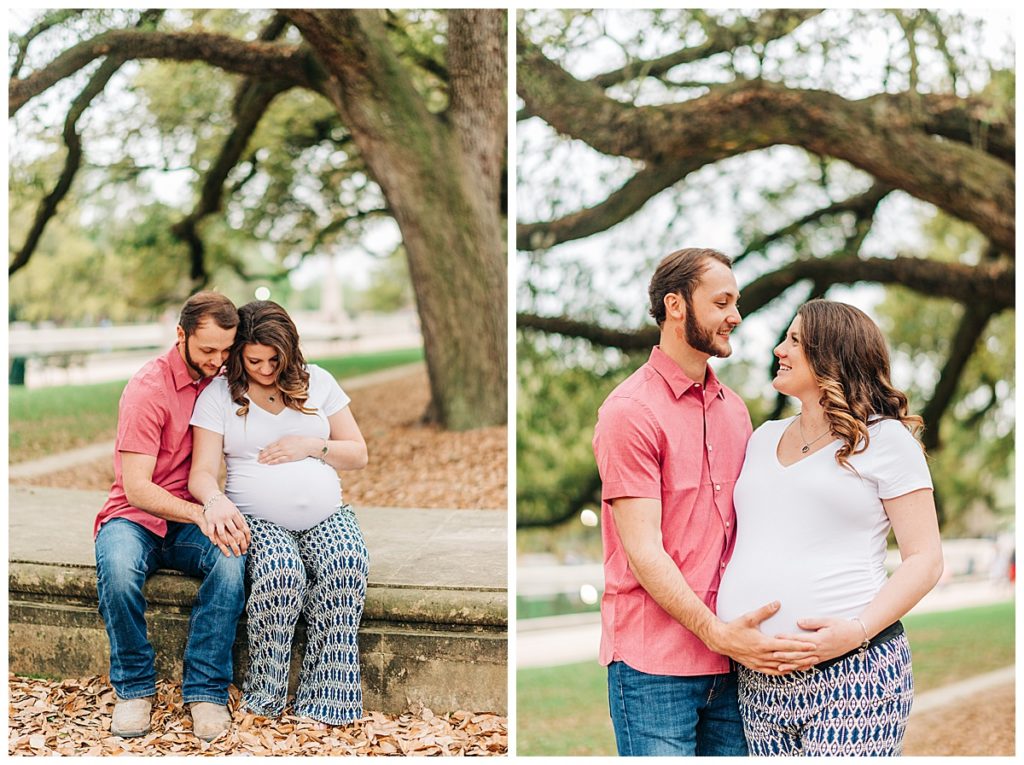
[
  {"x": 270, "y": 397},
  {"x": 807, "y": 444}
]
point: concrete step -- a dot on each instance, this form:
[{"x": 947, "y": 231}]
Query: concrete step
[{"x": 434, "y": 629}]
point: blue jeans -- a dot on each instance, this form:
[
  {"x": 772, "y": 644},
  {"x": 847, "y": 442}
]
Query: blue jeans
[
  {"x": 126, "y": 554},
  {"x": 668, "y": 715}
]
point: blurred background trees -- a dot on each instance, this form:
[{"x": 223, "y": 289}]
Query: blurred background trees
[
  {"x": 157, "y": 152},
  {"x": 865, "y": 156}
]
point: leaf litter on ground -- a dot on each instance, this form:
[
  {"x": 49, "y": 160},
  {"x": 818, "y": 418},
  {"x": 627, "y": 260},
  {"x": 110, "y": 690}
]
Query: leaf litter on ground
[{"x": 72, "y": 717}]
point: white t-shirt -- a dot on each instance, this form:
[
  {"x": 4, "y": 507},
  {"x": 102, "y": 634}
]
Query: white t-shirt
[
  {"x": 294, "y": 495},
  {"x": 812, "y": 535}
]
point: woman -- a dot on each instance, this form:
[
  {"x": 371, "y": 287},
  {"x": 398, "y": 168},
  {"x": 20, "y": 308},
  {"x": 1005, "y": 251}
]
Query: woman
[
  {"x": 284, "y": 428},
  {"x": 815, "y": 501}
]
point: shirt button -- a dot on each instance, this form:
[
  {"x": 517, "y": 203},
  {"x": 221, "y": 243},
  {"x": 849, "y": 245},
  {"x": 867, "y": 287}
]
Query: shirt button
[
  {"x": 696, "y": 385},
  {"x": 718, "y": 487},
  {"x": 723, "y": 565},
  {"x": 727, "y": 524},
  {"x": 710, "y": 447}
]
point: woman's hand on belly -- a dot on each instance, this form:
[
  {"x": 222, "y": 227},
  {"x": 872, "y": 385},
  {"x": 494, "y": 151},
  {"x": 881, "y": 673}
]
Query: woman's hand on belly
[
  {"x": 289, "y": 449},
  {"x": 831, "y": 636},
  {"x": 742, "y": 640}
]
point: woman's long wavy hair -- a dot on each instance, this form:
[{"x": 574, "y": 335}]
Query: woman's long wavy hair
[
  {"x": 849, "y": 358},
  {"x": 264, "y": 322}
]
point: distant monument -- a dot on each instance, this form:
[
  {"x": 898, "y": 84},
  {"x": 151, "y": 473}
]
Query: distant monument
[{"x": 332, "y": 308}]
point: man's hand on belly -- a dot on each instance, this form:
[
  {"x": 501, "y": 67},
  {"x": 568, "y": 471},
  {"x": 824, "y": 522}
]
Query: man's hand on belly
[{"x": 742, "y": 640}]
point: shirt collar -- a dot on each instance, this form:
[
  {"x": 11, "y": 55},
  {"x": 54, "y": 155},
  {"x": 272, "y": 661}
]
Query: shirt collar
[
  {"x": 179, "y": 371},
  {"x": 677, "y": 379}
]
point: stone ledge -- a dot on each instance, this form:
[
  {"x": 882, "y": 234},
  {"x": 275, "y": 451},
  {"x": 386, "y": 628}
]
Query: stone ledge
[
  {"x": 434, "y": 629},
  {"x": 61, "y": 583}
]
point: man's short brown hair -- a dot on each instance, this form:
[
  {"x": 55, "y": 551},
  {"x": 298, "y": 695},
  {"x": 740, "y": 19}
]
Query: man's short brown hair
[
  {"x": 680, "y": 272},
  {"x": 207, "y": 303}
]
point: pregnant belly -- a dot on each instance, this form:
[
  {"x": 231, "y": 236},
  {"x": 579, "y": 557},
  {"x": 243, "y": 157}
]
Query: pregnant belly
[
  {"x": 294, "y": 495},
  {"x": 804, "y": 588}
]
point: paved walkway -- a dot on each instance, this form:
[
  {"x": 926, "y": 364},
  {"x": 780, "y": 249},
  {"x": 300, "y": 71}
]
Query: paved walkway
[
  {"x": 86, "y": 454},
  {"x": 948, "y": 694}
]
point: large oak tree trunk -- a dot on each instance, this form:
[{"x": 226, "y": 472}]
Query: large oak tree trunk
[{"x": 441, "y": 178}]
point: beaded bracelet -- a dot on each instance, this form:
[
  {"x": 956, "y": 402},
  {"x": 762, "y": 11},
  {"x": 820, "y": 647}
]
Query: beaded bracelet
[{"x": 209, "y": 503}]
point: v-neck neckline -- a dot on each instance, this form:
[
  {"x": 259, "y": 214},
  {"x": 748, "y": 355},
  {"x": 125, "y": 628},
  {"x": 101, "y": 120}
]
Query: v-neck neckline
[
  {"x": 804, "y": 458},
  {"x": 263, "y": 409}
]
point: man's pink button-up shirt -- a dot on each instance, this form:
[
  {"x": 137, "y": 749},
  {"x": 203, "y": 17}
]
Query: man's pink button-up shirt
[
  {"x": 152, "y": 418},
  {"x": 660, "y": 435}
]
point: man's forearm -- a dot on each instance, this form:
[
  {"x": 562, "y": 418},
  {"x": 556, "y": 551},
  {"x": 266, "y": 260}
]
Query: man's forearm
[
  {"x": 159, "y": 502},
  {"x": 658, "y": 574}
]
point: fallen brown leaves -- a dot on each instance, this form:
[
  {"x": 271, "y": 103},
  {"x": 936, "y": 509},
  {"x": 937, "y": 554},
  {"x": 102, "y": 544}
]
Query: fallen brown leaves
[{"x": 72, "y": 717}]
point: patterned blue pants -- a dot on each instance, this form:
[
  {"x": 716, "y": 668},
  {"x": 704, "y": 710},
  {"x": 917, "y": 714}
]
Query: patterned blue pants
[
  {"x": 319, "y": 573},
  {"x": 857, "y": 706}
]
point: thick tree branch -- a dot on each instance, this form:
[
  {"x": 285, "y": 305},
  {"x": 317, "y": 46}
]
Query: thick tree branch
[
  {"x": 263, "y": 60},
  {"x": 423, "y": 60},
  {"x": 47, "y": 22},
  {"x": 969, "y": 121},
  {"x": 968, "y": 333},
  {"x": 48, "y": 207},
  {"x": 861, "y": 205},
  {"x": 878, "y": 135},
  {"x": 617, "y": 207},
  {"x": 252, "y": 99},
  {"x": 769, "y": 25},
  {"x": 611, "y": 338},
  {"x": 989, "y": 284},
  {"x": 340, "y": 222}
]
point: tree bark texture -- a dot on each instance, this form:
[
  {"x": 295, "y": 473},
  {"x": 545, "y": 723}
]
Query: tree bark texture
[
  {"x": 440, "y": 176},
  {"x": 259, "y": 59}
]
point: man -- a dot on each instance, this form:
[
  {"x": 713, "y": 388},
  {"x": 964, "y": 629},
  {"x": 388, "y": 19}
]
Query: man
[
  {"x": 150, "y": 521},
  {"x": 669, "y": 442}
]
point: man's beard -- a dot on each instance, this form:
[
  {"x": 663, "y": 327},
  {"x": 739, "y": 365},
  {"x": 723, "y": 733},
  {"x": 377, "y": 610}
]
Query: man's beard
[
  {"x": 700, "y": 338},
  {"x": 191, "y": 364}
]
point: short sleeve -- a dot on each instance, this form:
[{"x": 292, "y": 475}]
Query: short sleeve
[
  {"x": 141, "y": 418},
  {"x": 210, "y": 407},
  {"x": 334, "y": 398},
  {"x": 627, "y": 450},
  {"x": 897, "y": 460}
]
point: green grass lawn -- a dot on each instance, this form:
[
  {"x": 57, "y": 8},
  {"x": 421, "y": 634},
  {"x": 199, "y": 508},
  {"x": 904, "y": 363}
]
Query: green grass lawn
[
  {"x": 953, "y": 645},
  {"x": 351, "y": 366},
  {"x": 46, "y": 421},
  {"x": 564, "y": 710}
]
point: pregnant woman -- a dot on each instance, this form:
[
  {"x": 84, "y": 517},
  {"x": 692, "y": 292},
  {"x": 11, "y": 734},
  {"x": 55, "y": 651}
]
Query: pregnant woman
[
  {"x": 815, "y": 500},
  {"x": 285, "y": 429}
]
